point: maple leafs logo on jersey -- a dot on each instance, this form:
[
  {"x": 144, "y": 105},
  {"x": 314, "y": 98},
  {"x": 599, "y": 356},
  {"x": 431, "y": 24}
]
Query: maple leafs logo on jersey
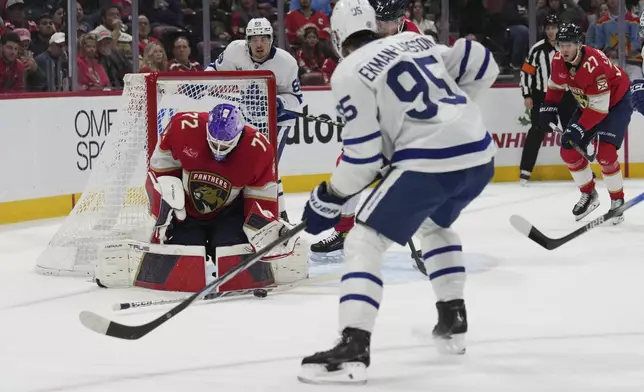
[{"x": 208, "y": 191}]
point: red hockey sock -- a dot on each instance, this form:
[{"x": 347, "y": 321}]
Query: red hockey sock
[
  {"x": 608, "y": 160},
  {"x": 346, "y": 223},
  {"x": 579, "y": 169}
]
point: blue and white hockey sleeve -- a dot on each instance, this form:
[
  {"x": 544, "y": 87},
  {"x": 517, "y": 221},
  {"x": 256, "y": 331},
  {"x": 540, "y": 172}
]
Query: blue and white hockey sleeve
[
  {"x": 289, "y": 92},
  {"x": 223, "y": 62},
  {"x": 471, "y": 65},
  {"x": 362, "y": 155}
]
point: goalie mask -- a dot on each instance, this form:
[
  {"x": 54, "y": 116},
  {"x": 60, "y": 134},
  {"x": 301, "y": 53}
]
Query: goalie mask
[{"x": 225, "y": 125}]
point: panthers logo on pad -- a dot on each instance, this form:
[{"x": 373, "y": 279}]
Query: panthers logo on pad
[{"x": 208, "y": 191}]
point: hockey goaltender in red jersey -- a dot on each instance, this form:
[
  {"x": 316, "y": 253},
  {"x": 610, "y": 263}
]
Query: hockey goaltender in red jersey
[
  {"x": 213, "y": 191},
  {"x": 604, "y": 111}
]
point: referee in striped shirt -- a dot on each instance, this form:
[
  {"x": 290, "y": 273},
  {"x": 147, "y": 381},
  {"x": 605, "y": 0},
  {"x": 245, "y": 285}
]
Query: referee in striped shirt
[{"x": 534, "y": 82}]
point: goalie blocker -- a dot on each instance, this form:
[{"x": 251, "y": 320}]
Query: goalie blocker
[{"x": 197, "y": 252}]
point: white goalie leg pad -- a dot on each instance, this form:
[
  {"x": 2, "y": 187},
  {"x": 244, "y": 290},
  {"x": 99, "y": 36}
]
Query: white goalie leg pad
[
  {"x": 119, "y": 261},
  {"x": 361, "y": 284},
  {"x": 294, "y": 267},
  {"x": 443, "y": 257},
  {"x": 117, "y": 264}
]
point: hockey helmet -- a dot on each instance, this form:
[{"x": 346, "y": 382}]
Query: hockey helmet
[
  {"x": 259, "y": 26},
  {"x": 389, "y": 10},
  {"x": 225, "y": 125},
  {"x": 551, "y": 19},
  {"x": 350, "y": 17},
  {"x": 569, "y": 32}
]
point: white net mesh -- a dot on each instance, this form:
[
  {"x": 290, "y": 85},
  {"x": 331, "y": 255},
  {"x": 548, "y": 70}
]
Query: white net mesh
[{"x": 114, "y": 204}]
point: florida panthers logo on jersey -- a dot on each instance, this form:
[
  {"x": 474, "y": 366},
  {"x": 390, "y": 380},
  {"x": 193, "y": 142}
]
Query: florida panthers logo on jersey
[
  {"x": 580, "y": 96},
  {"x": 208, "y": 191}
]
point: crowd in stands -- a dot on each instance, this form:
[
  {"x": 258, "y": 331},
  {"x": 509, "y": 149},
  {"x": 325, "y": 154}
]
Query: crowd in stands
[{"x": 34, "y": 35}]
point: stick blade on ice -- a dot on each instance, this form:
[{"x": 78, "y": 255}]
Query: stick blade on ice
[
  {"x": 524, "y": 227},
  {"x": 94, "y": 322},
  {"x": 103, "y": 326}
]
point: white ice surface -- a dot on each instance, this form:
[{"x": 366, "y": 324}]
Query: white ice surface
[{"x": 564, "y": 320}]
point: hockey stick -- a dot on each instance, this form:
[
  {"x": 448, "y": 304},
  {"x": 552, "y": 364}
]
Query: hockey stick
[
  {"x": 524, "y": 227},
  {"x": 418, "y": 258},
  {"x": 259, "y": 293},
  {"x": 590, "y": 157},
  {"x": 314, "y": 118},
  {"x": 101, "y": 325}
]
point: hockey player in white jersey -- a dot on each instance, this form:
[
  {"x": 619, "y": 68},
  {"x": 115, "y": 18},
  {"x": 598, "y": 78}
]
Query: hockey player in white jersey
[
  {"x": 402, "y": 107},
  {"x": 257, "y": 52}
]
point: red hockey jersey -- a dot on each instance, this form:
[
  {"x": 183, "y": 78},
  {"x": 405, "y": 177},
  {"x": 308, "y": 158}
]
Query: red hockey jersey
[
  {"x": 408, "y": 25},
  {"x": 596, "y": 83},
  {"x": 248, "y": 171}
]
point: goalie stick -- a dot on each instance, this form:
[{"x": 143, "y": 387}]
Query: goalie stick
[
  {"x": 231, "y": 294},
  {"x": 103, "y": 326},
  {"x": 526, "y": 228}
]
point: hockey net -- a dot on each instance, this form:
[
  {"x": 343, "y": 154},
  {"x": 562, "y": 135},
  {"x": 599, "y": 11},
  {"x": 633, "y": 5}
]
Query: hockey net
[{"x": 114, "y": 204}]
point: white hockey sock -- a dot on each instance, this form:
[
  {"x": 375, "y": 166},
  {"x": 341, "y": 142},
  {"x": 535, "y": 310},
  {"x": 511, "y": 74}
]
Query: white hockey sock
[
  {"x": 349, "y": 208},
  {"x": 443, "y": 256},
  {"x": 361, "y": 285}
]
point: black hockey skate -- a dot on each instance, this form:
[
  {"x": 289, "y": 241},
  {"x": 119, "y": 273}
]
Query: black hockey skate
[
  {"x": 330, "y": 248},
  {"x": 449, "y": 332},
  {"x": 524, "y": 177},
  {"x": 617, "y": 219},
  {"x": 346, "y": 363},
  {"x": 586, "y": 204}
]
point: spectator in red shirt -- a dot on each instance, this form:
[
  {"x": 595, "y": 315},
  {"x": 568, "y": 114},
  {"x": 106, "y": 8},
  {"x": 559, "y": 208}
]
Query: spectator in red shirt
[
  {"x": 91, "y": 74},
  {"x": 154, "y": 58},
  {"x": 16, "y": 17},
  {"x": 242, "y": 16},
  {"x": 144, "y": 34},
  {"x": 328, "y": 67},
  {"x": 181, "y": 60},
  {"x": 296, "y": 21},
  {"x": 310, "y": 57},
  {"x": 12, "y": 71}
]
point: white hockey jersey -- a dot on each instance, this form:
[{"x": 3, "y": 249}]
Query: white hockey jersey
[
  {"x": 401, "y": 105},
  {"x": 236, "y": 58}
]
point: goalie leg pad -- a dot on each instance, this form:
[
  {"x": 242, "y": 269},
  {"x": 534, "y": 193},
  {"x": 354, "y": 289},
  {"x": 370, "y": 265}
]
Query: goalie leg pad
[
  {"x": 257, "y": 276},
  {"x": 173, "y": 272},
  {"x": 161, "y": 267},
  {"x": 292, "y": 268}
]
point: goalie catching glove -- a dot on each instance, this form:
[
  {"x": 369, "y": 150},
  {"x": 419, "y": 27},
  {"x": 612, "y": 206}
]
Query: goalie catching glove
[
  {"x": 262, "y": 228},
  {"x": 167, "y": 201}
]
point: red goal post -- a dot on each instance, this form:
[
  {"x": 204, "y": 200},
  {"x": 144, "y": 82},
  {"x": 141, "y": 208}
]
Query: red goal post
[{"x": 114, "y": 204}]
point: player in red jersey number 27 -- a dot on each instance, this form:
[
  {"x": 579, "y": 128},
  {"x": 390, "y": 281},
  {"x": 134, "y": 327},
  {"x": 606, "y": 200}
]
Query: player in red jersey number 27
[{"x": 602, "y": 90}]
